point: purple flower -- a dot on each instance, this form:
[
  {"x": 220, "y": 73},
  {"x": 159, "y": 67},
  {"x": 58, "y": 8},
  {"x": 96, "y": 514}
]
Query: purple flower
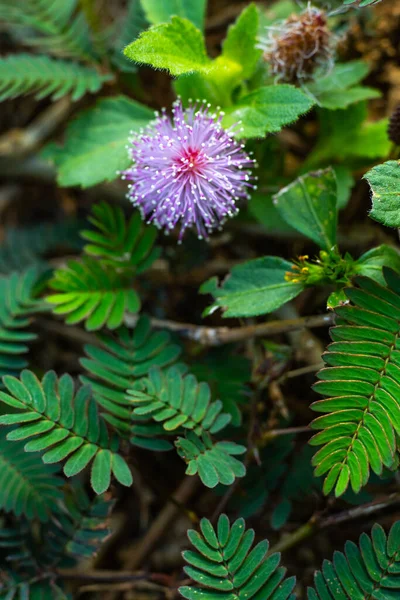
[{"x": 188, "y": 170}]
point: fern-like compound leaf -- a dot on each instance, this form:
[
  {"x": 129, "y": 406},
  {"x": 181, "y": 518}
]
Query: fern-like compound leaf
[
  {"x": 52, "y": 26},
  {"x": 214, "y": 462},
  {"x": 25, "y": 247},
  {"x": 14, "y": 586},
  {"x": 17, "y": 545},
  {"x": 17, "y": 305},
  {"x": 130, "y": 26},
  {"x": 119, "y": 361},
  {"x": 27, "y": 486},
  {"x": 362, "y": 382},
  {"x": 64, "y": 425},
  {"x": 78, "y": 529},
  {"x": 369, "y": 571},
  {"x": 118, "y": 242},
  {"x": 225, "y": 565},
  {"x": 23, "y": 575},
  {"x": 178, "y": 401},
  {"x": 93, "y": 292},
  {"x": 22, "y": 74}
]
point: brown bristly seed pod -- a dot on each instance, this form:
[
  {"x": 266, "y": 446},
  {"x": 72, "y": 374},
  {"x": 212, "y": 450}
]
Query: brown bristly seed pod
[
  {"x": 394, "y": 126},
  {"x": 299, "y": 46}
]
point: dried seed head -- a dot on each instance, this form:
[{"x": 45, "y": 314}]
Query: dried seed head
[
  {"x": 299, "y": 46},
  {"x": 394, "y": 126}
]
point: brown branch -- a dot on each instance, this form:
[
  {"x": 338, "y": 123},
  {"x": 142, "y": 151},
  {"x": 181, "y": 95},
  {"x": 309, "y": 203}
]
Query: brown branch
[
  {"x": 208, "y": 336},
  {"x": 217, "y": 336},
  {"x": 361, "y": 511},
  {"x": 18, "y": 142},
  {"x": 187, "y": 488},
  {"x": 102, "y": 576}
]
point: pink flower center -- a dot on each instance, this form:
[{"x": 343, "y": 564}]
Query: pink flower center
[{"x": 190, "y": 161}]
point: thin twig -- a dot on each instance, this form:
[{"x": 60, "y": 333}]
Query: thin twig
[
  {"x": 317, "y": 523},
  {"x": 301, "y": 371},
  {"x": 361, "y": 511},
  {"x": 273, "y": 433}
]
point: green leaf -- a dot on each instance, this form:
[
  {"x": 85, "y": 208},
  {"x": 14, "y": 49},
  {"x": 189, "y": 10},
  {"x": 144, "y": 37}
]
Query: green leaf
[
  {"x": 197, "y": 85},
  {"x": 371, "y": 263},
  {"x": 338, "y": 89},
  {"x": 280, "y": 514},
  {"x": 228, "y": 567},
  {"x": 361, "y": 3},
  {"x": 261, "y": 207},
  {"x": 342, "y": 77},
  {"x": 101, "y": 472},
  {"x": 345, "y": 183},
  {"x": 310, "y": 205},
  {"x": 346, "y": 135},
  {"x": 239, "y": 45},
  {"x": 385, "y": 184},
  {"x": 95, "y": 142},
  {"x": 336, "y": 298},
  {"x": 177, "y": 46},
  {"x": 267, "y": 110},
  {"x": 59, "y": 410},
  {"x": 22, "y": 74},
  {"x": 159, "y": 12},
  {"x": 254, "y": 288}
]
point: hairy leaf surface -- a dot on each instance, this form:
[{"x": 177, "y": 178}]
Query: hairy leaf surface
[
  {"x": 177, "y": 46},
  {"x": 385, "y": 184},
  {"x": 267, "y": 110},
  {"x": 253, "y": 288},
  {"x": 95, "y": 142}
]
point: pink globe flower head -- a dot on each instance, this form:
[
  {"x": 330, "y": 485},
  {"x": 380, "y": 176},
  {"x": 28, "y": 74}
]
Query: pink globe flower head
[{"x": 188, "y": 170}]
